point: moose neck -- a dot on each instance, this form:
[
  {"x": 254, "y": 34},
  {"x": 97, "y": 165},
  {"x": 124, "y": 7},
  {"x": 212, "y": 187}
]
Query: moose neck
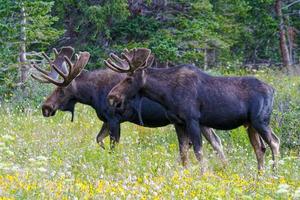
[
  {"x": 92, "y": 87},
  {"x": 82, "y": 90},
  {"x": 155, "y": 85}
]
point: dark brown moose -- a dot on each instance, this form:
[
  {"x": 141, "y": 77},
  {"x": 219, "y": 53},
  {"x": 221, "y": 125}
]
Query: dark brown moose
[
  {"x": 198, "y": 99},
  {"x": 91, "y": 88}
]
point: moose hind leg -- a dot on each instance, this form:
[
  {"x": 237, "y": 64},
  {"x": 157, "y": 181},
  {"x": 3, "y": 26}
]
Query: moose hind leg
[
  {"x": 214, "y": 141},
  {"x": 183, "y": 141},
  {"x": 258, "y": 146},
  {"x": 271, "y": 139}
]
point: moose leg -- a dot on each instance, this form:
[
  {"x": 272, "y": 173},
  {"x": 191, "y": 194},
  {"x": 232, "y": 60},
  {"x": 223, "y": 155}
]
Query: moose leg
[
  {"x": 258, "y": 146},
  {"x": 193, "y": 129},
  {"x": 183, "y": 141},
  {"x": 114, "y": 133},
  {"x": 271, "y": 139},
  {"x": 214, "y": 141},
  {"x": 104, "y": 132}
]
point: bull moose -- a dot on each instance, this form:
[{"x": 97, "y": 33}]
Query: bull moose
[
  {"x": 92, "y": 87},
  {"x": 198, "y": 99}
]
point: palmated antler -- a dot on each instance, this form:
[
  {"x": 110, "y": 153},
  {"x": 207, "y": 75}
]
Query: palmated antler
[
  {"x": 74, "y": 70},
  {"x": 59, "y": 62},
  {"x": 137, "y": 58}
]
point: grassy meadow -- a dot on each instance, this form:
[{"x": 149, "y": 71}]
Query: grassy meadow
[{"x": 52, "y": 158}]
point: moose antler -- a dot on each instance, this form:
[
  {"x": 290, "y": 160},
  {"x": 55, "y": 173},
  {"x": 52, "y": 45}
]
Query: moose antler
[
  {"x": 59, "y": 61},
  {"x": 137, "y": 58},
  {"x": 74, "y": 70}
]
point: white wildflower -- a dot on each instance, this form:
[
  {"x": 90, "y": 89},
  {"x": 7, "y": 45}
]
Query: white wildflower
[
  {"x": 10, "y": 153},
  {"x": 7, "y": 137},
  {"x": 42, "y": 169},
  {"x": 31, "y": 160},
  {"x": 297, "y": 194},
  {"x": 42, "y": 158},
  {"x": 283, "y": 188}
]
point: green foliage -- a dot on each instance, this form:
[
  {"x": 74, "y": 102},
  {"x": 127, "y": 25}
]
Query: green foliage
[
  {"x": 30, "y": 97},
  {"x": 164, "y": 46},
  {"x": 135, "y": 29},
  {"x": 39, "y": 30},
  {"x": 260, "y": 33},
  {"x": 7, "y": 81},
  {"x": 106, "y": 15}
]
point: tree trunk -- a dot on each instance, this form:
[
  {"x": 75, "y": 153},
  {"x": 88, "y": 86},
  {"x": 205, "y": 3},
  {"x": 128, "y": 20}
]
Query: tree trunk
[
  {"x": 205, "y": 58},
  {"x": 22, "y": 55},
  {"x": 285, "y": 56}
]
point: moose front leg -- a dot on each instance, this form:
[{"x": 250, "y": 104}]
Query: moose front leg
[
  {"x": 104, "y": 132},
  {"x": 193, "y": 130},
  {"x": 183, "y": 141},
  {"x": 114, "y": 133}
]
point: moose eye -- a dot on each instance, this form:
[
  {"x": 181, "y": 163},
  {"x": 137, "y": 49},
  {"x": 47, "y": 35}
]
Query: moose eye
[{"x": 129, "y": 80}]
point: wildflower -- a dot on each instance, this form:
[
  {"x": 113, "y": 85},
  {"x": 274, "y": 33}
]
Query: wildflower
[
  {"x": 31, "y": 160},
  {"x": 283, "y": 188},
  {"x": 7, "y": 137},
  {"x": 297, "y": 194},
  {"x": 10, "y": 153},
  {"x": 42, "y": 169},
  {"x": 42, "y": 158}
]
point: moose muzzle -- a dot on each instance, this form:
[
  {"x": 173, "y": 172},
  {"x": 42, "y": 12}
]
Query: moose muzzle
[
  {"x": 116, "y": 101},
  {"x": 48, "y": 110}
]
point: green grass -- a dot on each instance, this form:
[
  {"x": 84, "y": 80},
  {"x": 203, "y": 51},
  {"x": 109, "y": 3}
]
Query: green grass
[{"x": 52, "y": 158}]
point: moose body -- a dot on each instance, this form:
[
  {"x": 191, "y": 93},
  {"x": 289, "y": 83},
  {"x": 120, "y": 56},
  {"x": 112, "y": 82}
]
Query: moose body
[
  {"x": 92, "y": 87},
  {"x": 199, "y": 99}
]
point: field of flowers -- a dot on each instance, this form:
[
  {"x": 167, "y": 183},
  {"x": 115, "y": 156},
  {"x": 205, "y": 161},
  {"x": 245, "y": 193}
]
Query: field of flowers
[{"x": 52, "y": 158}]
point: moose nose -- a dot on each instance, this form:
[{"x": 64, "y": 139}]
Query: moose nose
[
  {"x": 111, "y": 101},
  {"x": 48, "y": 110},
  {"x": 115, "y": 101}
]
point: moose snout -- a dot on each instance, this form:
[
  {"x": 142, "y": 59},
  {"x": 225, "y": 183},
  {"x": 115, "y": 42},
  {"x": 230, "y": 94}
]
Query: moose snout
[
  {"x": 48, "y": 110},
  {"x": 115, "y": 101}
]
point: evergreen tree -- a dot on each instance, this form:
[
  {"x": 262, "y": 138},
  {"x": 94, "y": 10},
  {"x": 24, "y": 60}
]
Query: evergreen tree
[{"x": 25, "y": 25}]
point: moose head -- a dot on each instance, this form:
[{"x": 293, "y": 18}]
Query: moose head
[
  {"x": 132, "y": 62},
  {"x": 61, "y": 97}
]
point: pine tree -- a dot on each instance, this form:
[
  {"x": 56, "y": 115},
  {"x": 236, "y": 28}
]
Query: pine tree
[{"x": 25, "y": 24}]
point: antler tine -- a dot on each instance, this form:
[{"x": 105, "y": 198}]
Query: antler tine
[
  {"x": 46, "y": 57},
  {"x": 123, "y": 63},
  {"x": 117, "y": 64},
  {"x": 110, "y": 64},
  {"x": 44, "y": 75},
  {"x": 76, "y": 56},
  {"x": 75, "y": 69},
  {"x": 55, "y": 52},
  {"x": 39, "y": 69},
  {"x": 126, "y": 55},
  {"x": 148, "y": 62},
  {"x": 132, "y": 59},
  {"x": 58, "y": 71},
  {"x": 51, "y": 80},
  {"x": 38, "y": 78},
  {"x": 68, "y": 61}
]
